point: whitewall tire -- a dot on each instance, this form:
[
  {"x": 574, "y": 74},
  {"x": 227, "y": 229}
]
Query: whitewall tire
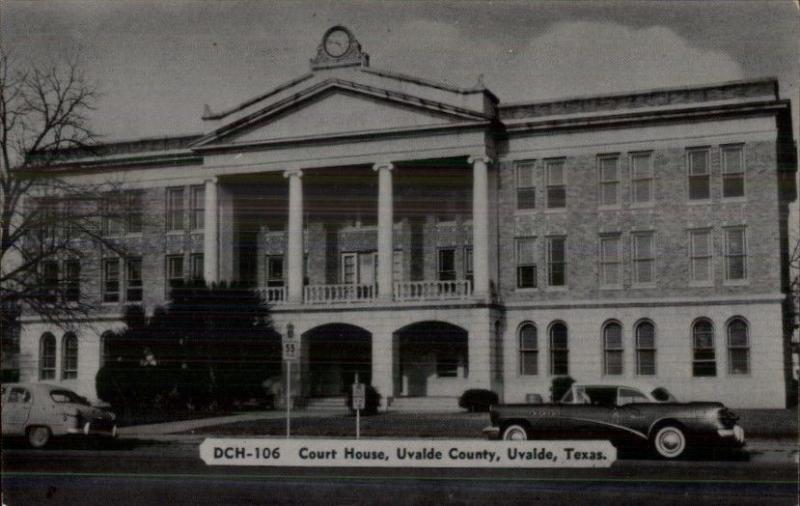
[
  {"x": 669, "y": 442},
  {"x": 515, "y": 432}
]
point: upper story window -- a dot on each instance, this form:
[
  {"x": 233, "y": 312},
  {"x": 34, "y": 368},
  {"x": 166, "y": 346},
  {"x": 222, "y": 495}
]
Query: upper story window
[
  {"x": 69, "y": 356},
  {"x": 175, "y": 276},
  {"x": 72, "y": 280},
  {"x": 699, "y": 174},
  {"x": 47, "y": 356},
  {"x": 733, "y": 171},
  {"x": 50, "y": 281},
  {"x": 641, "y": 178},
  {"x": 645, "y": 349},
  {"x": 559, "y": 350},
  {"x": 526, "y": 262},
  {"x": 112, "y": 221},
  {"x": 644, "y": 259},
  {"x": 738, "y": 347},
  {"x": 111, "y": 280},
  {"x": 197, "y": 267},
  {"x": 704, "y": 361},
  {"x": 556, "y": 186},
  {"x": 528, "y": 350},
  {"x": 133, "y": 279},
  {"x": 609, "y": 180},
  {"x": 174, "y": 209},
  {"x": 447, "y": 264},
  {"x": 700, "y": 245},
  {"x": 735, "y": 253},
  {"x": 134, "y": 203},
  {"x": 557, "y": 261},
  {"x": 612, "y": 349},
  {"x": 467, "y": 265},
  {"x": 198, "y": 205},
  {"x": 275, "y": 270},
  {"x": 526, "y": 185},
  {"x": 610, "y": 261}
]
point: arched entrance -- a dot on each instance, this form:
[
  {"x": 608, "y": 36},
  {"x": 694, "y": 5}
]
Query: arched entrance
[
  {"x": 336, "y": 352},
  {"x": 434, "y": 359}
]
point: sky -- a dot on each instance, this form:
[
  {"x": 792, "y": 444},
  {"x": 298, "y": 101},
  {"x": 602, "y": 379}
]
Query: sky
[{"x": 158, "y": 63}]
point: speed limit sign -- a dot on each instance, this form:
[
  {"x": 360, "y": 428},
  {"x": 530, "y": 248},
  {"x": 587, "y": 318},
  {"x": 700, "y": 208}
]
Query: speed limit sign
[{"x": 289, "y": 349}]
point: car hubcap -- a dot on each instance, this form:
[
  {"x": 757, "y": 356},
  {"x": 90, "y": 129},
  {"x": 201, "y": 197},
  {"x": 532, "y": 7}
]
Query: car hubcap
[
  {"x": 671, "y": 442},
  {"x": 516, "y": 434}
]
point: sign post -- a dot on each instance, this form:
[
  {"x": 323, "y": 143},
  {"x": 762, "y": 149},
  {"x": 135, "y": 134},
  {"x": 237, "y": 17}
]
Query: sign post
[
  {"x": 289, "y": 346},
  {"x": 359, "y": 398}
]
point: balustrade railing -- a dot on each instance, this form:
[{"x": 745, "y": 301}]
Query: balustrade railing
[
  {"x": 432, "y": 290},
  {"x": 338, "y": 294},
  {"x": 273, "y": 294}
]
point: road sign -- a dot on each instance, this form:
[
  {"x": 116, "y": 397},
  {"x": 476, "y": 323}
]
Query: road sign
[
  {"x": 359, "y": 396},
  {"x": 289, "y": 349}
]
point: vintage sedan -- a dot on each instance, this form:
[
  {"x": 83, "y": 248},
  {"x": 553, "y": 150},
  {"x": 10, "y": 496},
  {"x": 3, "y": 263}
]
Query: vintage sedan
[
  {"x": 630, "y": 416},
  {"x": 39, "y": 412}
]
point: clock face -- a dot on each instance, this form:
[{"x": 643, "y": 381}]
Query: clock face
[{"x": 337, "y": 43}]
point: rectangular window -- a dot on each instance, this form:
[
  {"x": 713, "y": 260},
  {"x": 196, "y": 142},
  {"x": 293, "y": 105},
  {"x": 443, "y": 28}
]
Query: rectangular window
[
  {"x": 198, "y": 205},
  {"x": 699, "y": 179},
  {"x": 72, "y": 277},
  {"x": 112, "y": 222},
  {"x": 610, "y": 261},
  {"x": 447, "y": 264},
  {"x": 733, "y": 171},
  {"x": 50, "y": 281},
  {"x": 174, "y": 271},
  {"x": 133, "y": 279},
  {"x": 526, "y": 186},
  {"x": 111, "y": 280},
  {"x": 174, "y": 209},
  {"x": 641, "y": 178},
  {"x": 134, "y": 202},
  {"x": 644, "y": 259},
  {"x": 526, "y": 262},
  {"x": 197, "y": 267},
  {"x": 701, "y": 255},
  {"x": 556, "y": 188},
  {"x": 397, "y": 265},
  {"x": 467, "y": 263},
  {"x": 275, "y": 271},
  {"x": 447, "y": 363},
  {"x": 609, "y": 180},
  {"x": 556, "y": 261},
  {"x": 735, "y": 253},
  {"x": 349, "y": 268}
]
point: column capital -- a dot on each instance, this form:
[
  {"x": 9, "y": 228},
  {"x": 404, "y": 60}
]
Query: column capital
[
  {"x": 212, "y": 180},
  {"x": 293, "y": 172},
  {"x": 383, "y": 166},
  {"x": 478, "y": 158}
]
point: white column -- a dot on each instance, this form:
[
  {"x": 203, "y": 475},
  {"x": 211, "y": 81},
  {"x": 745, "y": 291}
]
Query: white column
[
  {"x": 383, "y": 364},
  {"x": 211, "y": 233},
  {"x": 385, "y": 230},
  {"x": 480, "y": 225},
  {"x": 294, "y": 248}
]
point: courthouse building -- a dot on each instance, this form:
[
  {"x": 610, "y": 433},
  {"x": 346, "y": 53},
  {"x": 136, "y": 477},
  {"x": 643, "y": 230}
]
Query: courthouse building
[{"x": 434, "y": 239}]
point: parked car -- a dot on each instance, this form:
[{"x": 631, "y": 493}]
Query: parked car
[
  {"x": 630, "y": 416},
  {"x": 39, "y": 412}
]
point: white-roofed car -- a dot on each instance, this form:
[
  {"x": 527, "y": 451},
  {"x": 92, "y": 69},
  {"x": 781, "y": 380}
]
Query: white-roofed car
[
  {"x": 629, "y": 415},
  {"x": 40, "y": 411}
]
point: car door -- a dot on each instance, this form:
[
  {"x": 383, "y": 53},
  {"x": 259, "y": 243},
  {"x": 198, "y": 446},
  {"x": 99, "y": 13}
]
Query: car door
[
  {"x": 16, "y": 409},
  {"x": 629, "y": 412},
  {"x": 593, "y": 419}
]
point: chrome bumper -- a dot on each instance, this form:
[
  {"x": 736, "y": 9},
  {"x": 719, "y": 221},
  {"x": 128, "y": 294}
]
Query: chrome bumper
[
  {"x": 492, "y": 432},
  {"x": 735, "y": 434}
]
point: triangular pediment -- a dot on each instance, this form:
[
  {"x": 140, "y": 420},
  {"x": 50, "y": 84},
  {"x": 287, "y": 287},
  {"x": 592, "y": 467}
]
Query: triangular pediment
[{"x": 338, "y": 108}]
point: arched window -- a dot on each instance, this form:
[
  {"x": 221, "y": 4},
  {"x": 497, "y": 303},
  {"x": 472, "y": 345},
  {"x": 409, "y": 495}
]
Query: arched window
[
  {"x": 528, "y": 349},
  {"x": 612, "y": 349},
  {"x": 704, "y": 360},
  {"x": 738, "y": 347},
  {"x": 559, "y": 350},
  {"x": 47, "y": 357},
  {"x": 69, "y": 356},
  {"x": 645, "y": 349}
]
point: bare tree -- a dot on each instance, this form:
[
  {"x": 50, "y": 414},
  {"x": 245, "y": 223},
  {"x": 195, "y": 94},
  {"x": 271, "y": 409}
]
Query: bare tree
[{"x": 48, "y": 222}]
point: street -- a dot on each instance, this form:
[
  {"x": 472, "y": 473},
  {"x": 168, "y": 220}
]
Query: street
[{"x": 169, "y": 471}]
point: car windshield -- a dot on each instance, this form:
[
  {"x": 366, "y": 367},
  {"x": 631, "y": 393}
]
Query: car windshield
[
  {"x": 661, "y": 394},
  {"x": 64, "y": 396}
]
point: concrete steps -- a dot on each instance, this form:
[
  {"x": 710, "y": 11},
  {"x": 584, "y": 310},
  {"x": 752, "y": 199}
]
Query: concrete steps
[
  {"x": 425, "y": 405},
  {"x": 333, "y": 404}
]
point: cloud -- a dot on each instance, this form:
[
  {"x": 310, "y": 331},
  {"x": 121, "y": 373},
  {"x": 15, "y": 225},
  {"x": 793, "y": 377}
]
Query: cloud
[{"x": 583, "y": 58}]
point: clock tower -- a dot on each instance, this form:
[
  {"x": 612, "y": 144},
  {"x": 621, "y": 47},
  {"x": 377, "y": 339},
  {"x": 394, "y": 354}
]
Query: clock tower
[{"x": 339, "y": 48}]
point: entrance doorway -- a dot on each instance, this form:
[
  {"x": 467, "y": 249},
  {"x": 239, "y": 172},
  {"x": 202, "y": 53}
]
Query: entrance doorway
[{"x": 336, "y": 352}]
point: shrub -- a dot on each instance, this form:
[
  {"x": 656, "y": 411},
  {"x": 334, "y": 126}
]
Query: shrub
[
  {"x": 559, "y": 387},
  {"x": 477, "y": 399},
  {"x": 372, "y": 401}
]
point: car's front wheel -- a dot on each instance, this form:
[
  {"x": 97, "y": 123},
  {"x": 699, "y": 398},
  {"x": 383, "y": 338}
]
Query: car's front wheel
[
  {"x": 515, "y": 432},
  {"x": 38, "y": 437},
  {"x": 669, "y": 442}
]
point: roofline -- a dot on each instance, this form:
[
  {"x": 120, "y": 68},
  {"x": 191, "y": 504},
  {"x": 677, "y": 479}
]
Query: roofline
[
  {"x": 427, "y": 82},
  {"x": 763, "y": 80},
  {"x": 244, "y": 105}
]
